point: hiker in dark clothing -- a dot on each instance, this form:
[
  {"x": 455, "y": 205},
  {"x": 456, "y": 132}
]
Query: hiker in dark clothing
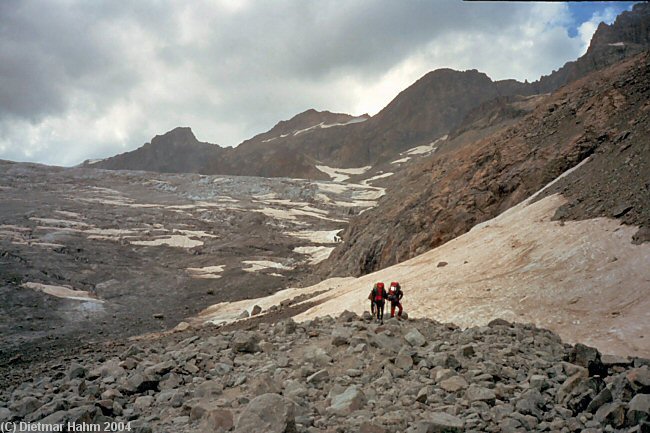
[
  {"x": 372, "y": 303},
  {"x": 379, "y": 296},
  {"x": 395, "y": 296}
]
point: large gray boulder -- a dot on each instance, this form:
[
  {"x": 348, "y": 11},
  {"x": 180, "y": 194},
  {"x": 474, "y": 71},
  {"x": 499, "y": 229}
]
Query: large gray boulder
[
  {"x": 217, "y": 420},
  {"x": 531, "y": 402},
  {"x": 268, "y": 413},
  {"x": 160, "y": 369},
  {"x": 404, "y": 361},
  {"x": 639, "y": 409},
  {"x": 438, "y": 422},
  {"x": 478, "y": 393},
  {"x": 209, "y": 388},
  {"x": 589, "y": 358},
  {"x": 76, "y": 370},
  {"x": 454, "y": 384},
  {"x": 317, "y": 356},
  {"x": 5, "y": 414},
  {"x": 348, "y": 401},
  {"x": 415, "y": 338},
  {"x": 246, "y": 342}
]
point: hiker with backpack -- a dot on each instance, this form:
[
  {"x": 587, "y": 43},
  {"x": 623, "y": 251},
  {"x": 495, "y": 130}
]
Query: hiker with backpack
[
  {"x": 379, "y": 296},
  {"x": 372, "y": 302},
  {"x": 395, "y": 296}
]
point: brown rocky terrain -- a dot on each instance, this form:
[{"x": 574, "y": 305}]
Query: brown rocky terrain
[
  {"x": 344, "y": 374},
  {"x": 445, "y": 195}
]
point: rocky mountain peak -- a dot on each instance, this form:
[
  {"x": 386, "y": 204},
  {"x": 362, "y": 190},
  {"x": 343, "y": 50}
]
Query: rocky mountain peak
[
  {"x": 628, "y": 36},
  {"x": 631, "y": 27},
  {"x": 300, "y": 122},
  {"x": 181, "y": 135}
]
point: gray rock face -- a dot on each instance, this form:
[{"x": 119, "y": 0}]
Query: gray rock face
[
  {"x": 76, "y": 371},
  {"x": 539, "y": 382},
  {"x": 318, "y": 356},
  {"x": 160, "y": 369},
  {"x": 639, "y": 378},
  {"x": 268, "y": 413},
  {"x": 415, "y": 338},
  {"x": 217, "y": 420},
  {"x": 5, "y": 414},
  {"x": 612, "y": 414},
  {"x": 404, "y": 361},
  {"x": 478, "y": 393},
  {"x": 246, "y": 342},
  {"x": 350, "y": 400},
  {"x": 341, "y": 336},
  {"x": 639, "y": 409},
  {"x": 531, "y": 403},
  {"x": 25, "y": 406},
  {"x": 144, "y": 402},
  {"x": 454, "y": 384},
  {"x": 209, "y": 388},
  {"x": 589, "y": 358},
  {"x": 440, "y": 422}
]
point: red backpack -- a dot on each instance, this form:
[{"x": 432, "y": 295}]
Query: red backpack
[{"x": 379, "y": 291}]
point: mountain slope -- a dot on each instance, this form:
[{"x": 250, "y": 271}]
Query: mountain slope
[
  {"x": 432, "y": 107},
  {"x": 584, "y": 280},
  {"x": 177, "y": 151},
  {"x": 445, "y": 195},
  {"x": 428, "y": 109}
]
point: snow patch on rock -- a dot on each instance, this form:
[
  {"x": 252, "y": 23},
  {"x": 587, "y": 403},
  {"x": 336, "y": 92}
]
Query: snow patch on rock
[
  {"x": 62, "y": 292},
  {"x": 317, "y": 253},
  {"x": 377, "y": 177},
  {"x": 206, "y": 272},
  {"x": 258, "y": 265},
  {"x": 319, "y": 236},
  {"x": 180, "y": 241},
  {"x": 342, "y": 174}
]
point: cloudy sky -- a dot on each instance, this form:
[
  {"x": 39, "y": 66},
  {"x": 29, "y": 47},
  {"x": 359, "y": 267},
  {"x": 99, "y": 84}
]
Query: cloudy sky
[{"x": 89, "y": 79}]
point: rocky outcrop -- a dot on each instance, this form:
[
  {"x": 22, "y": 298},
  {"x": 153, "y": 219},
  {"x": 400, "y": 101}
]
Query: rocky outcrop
[
  {"x": 505, "y": 378},
  {"x": 442, "y": 197},
  {"x": 177, "y": 151},
  {"x": 628, "y": 36}
]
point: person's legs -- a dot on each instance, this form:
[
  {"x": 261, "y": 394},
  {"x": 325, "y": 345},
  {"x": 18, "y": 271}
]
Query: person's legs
[
  {"x": 400, "y": 309},
  {"x": 380, "y": 311},
  {"x": 392, "y": 309}
]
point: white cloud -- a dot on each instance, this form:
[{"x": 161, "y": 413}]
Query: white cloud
[{"x": 87, "y": 80}]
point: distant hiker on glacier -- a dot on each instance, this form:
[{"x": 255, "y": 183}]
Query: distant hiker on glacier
[
  {"x": 395, "y": 296},
  {"x": 379, "y": 296}
]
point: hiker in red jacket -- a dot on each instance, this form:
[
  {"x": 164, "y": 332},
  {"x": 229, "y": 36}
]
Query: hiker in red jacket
[
  {"x": 395, "y": 296},
  {"x": 379, "y": 296}
]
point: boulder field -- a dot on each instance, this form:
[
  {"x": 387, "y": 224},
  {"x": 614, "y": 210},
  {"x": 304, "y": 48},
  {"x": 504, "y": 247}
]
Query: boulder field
[{"x": 340, "y": 375}]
